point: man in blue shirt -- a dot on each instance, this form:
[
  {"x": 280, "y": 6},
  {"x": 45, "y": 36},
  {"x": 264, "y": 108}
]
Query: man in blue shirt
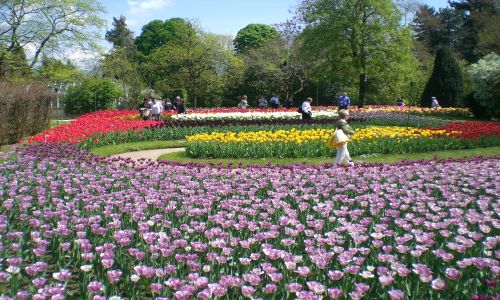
[{"x": 344, "y": 101}]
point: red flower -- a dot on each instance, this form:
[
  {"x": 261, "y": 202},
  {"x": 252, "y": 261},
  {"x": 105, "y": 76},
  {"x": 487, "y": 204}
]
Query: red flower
[
  {"x": 90, "y": 124},
  {"x": 473, "y": 130}
]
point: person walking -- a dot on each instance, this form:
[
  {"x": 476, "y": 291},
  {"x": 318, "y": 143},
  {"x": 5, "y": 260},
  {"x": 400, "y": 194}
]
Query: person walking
[
  {"x": 306, "y": 110},
  {"x": 343, "y": 101},
  {"x": 342, "y": 152}
]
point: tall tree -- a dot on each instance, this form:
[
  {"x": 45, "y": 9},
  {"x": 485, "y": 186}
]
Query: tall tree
[
  {"x": 274, "y": 68},
  {"x": 158, "y": 33},
  {"x": 183, "y": 63},
  {"x": 50, "y": 25},
  {"x": 119, "y": 65},
  {"x": 446, "y": 82},
  {"x": 479, "y": 29},
  {"x": 355, "y": 38},
  {"x": 253, "y": 35},
  {"x": 120, "y": 35}
]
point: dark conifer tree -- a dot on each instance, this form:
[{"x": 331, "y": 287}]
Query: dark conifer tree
[
  {"x": 120, "y": 35},
  {"x": 446, "y": 82}
]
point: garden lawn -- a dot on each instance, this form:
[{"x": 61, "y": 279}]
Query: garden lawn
[
  {"x": 6, "y": 148},
  {"x": 377, "y": 158},
  {"x": 138, "y": 146}
]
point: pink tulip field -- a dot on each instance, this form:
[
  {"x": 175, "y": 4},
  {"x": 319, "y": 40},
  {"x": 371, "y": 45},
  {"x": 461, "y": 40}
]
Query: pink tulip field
[{"x": 78, "y": 226}]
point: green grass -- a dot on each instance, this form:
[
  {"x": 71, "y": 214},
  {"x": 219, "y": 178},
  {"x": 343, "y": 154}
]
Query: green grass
[
  {"x": 455, "y": 118},
  {"x": 6, "y": 148},
  {"x": 137, "y": 146},
  {"x": 54, "y": 123},
  {"x": 381, "y": 158}
]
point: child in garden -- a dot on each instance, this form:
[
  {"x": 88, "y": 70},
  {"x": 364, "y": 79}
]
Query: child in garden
[{"x": 342, "y": 152}]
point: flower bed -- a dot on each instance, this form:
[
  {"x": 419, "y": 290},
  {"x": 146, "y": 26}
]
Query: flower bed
[
  {"x": 96, "y": 126},
  {"x": 88, "y": 125},
  {"x": 175, "y": 130},
  {"x": 310, "y": 143},
  {"x": 253, "y": 115},
  {"x": 474, "y": 130},
  {"x": 74, "y": 227}
]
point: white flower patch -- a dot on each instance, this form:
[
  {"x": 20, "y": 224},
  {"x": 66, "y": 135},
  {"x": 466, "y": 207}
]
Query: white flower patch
[{"x": 252, "y": 116}]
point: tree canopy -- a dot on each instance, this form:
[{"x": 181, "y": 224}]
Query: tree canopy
[
  {"x": 253, "y": 35},
  {"x": 50, "y": 25},
  {"x": 158, "y": 33},
  {"x": 120, "y": 35}
]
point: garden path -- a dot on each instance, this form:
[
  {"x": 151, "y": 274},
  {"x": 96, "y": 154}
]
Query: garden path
[{"x": 148, "y": 154}]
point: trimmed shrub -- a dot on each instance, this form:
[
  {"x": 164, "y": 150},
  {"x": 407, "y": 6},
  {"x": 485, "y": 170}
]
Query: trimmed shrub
[{"x": 24, "y": 110}]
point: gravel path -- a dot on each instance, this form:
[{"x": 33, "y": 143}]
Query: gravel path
[{"x": 151, "y": 154}]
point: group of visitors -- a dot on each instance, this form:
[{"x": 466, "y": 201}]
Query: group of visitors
[
  {"x": 263, "y": 103},
  {"x": 151, "y": 108}
]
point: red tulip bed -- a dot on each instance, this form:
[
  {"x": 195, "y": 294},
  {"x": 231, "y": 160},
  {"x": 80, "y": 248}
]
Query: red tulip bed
[
  {"x": 91, "y": 124},
  {"x": 474, "y": 130}
]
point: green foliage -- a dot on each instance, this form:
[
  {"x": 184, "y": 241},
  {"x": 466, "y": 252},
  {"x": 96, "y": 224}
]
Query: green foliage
[
  {"x": 125, "y": 70},
  {"x": 90, "y": 95},
  {"x": 158, "y": 33},
  {"x": 252, "y": 36},
  {"x": 445, "y": 83},
  {"x": 13, "y": 63},
  {"x": 55, "y": 70},
  {"x": 485, "y": 78}
]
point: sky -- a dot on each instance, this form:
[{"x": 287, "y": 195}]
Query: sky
[{"x": 216, "y": 16}]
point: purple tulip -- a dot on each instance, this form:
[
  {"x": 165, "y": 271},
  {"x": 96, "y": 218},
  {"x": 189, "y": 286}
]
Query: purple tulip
[{"x": 95, "y": 287}]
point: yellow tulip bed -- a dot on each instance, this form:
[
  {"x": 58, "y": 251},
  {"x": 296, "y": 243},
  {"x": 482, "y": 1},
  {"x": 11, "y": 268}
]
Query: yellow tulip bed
[
  {"x": 311, "y": 142},
  {"x": 316, "y": 134}
]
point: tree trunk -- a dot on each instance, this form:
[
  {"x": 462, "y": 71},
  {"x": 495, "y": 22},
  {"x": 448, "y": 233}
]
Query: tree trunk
[{"x": 362, "y": 89}]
